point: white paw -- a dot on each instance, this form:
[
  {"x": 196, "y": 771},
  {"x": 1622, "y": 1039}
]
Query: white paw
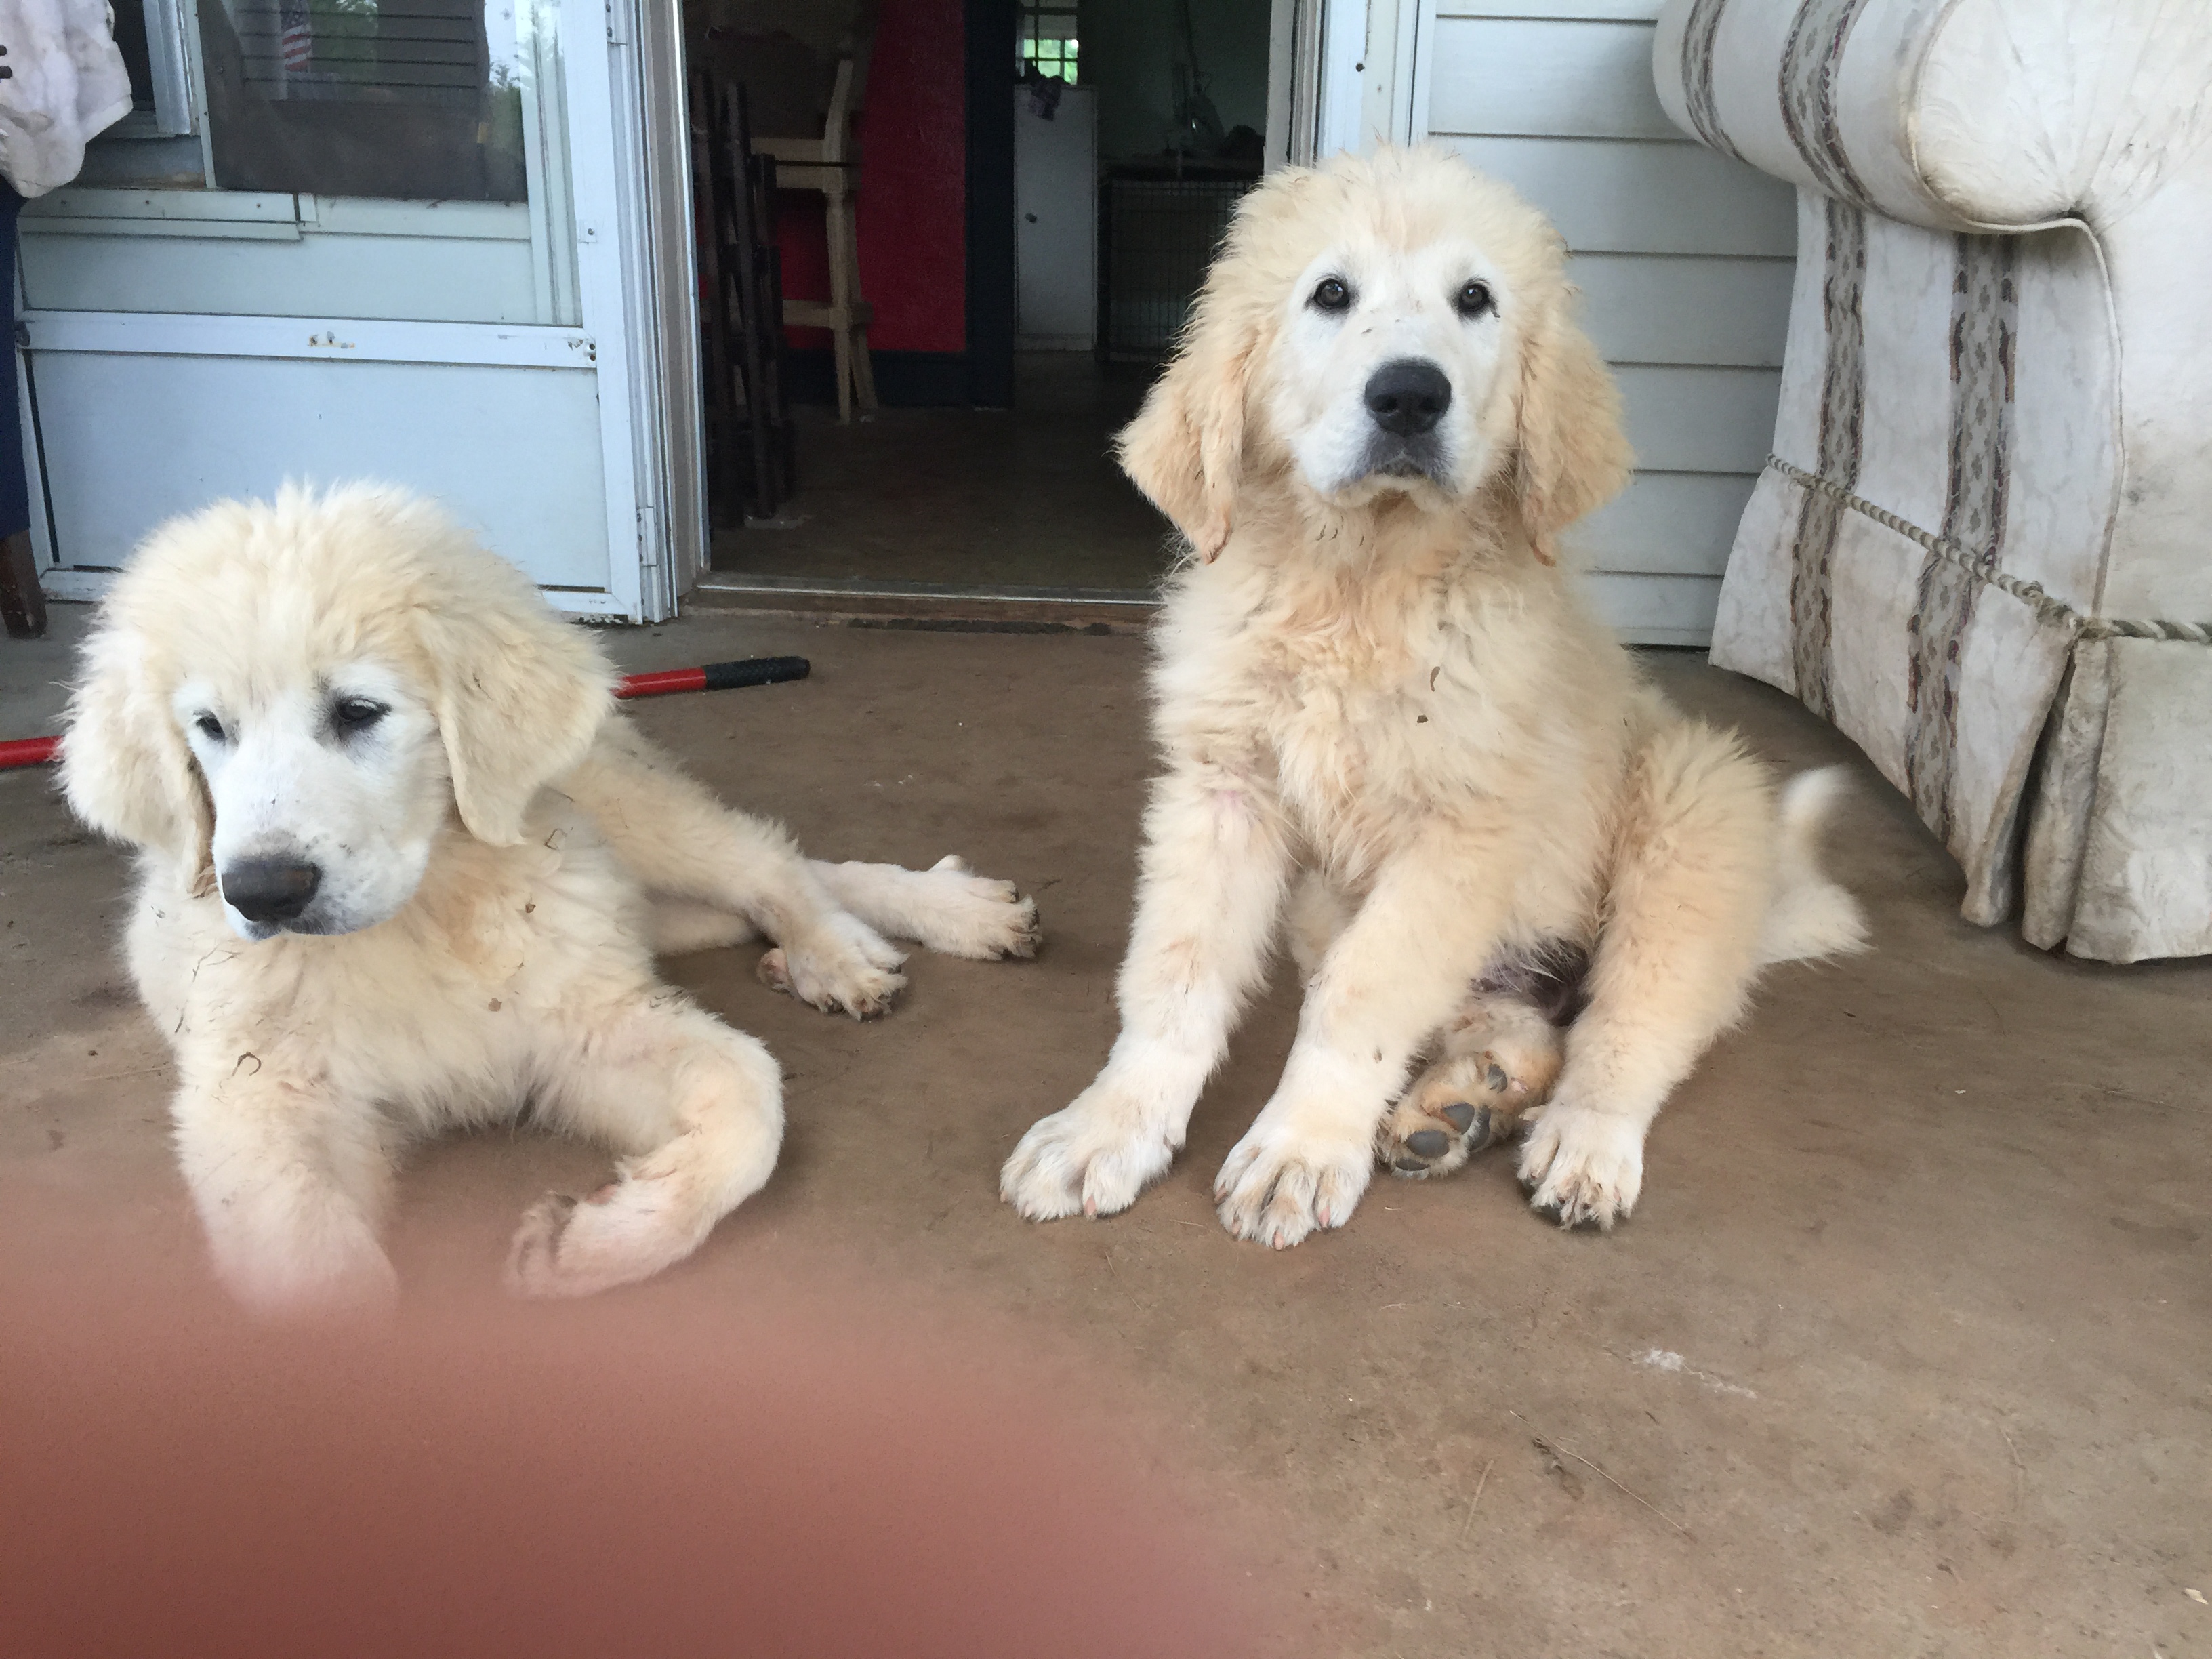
[
  {"x": 533, "y": 1260},
  {"x": 1277, "y": 1186},
  {"x": 975, "y": 916},
  {"x": 1583, "y": 1165},
  {"x": 622, "y": 1233},
  {"x": 845, "y": 966},
  {"x": 1094, "y": 1157}
]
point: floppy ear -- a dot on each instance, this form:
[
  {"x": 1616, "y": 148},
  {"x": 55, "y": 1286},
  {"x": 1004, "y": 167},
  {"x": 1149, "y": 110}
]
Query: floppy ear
[
  {"x": 126, "y": 769},
  {"x": 520, "y": 695},
  {"x": 1186, "y": 448},
  {"x": 1572, "y": 456}
]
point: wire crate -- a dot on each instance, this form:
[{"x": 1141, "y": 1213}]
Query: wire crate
[{"x": 1159, "y": 236}]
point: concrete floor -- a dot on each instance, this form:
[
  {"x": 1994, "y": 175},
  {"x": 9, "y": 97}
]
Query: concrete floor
[
  {"x": 969, "y": 496},
  {"x": 1904, "y": 1351}
]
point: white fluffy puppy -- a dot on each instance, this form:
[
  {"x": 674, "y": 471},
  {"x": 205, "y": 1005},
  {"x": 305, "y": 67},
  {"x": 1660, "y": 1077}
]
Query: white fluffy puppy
[
  {"x": 404, "y": 868},
  {"x": 1383, "y": 706}
]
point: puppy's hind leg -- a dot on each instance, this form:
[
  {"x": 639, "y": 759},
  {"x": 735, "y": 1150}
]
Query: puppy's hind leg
[
  {"x": 1500, "y": 1056},
  {"x": 947, "y": 908},
  {"x": 1499, "y": 1059},
  {"x": 1693, "y": 875},
  {"x": 682, "y": 843},
  {"x": 697, "y": 1108}
]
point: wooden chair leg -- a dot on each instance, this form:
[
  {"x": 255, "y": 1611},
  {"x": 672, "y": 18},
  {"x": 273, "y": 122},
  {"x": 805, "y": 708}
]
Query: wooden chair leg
[
  {"x": 864, "y": 371},
  {"x": 23, "y": 603},
  {"x": 842, "y": 297},
  {"x": 840, "y": 350},
  {"x": 845, "y": 209}
]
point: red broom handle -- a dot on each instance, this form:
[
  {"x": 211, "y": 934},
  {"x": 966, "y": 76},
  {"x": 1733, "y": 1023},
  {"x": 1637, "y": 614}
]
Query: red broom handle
[
  {"x": 715, "y": 677},
  {"x": 712, "y": 677}
]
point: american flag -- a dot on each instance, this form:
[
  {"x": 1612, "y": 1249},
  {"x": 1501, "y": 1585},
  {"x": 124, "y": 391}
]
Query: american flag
[{"x": 297, "y": 41}]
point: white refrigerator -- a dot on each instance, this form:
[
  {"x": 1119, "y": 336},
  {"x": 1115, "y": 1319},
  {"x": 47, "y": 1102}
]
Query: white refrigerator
[{"x": 1056, "y": 221}]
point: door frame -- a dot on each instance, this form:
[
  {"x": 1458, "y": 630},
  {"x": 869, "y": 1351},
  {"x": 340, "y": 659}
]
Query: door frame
[
  {"x": 1345, "y": 75},
  {"x": 1294, "y": 77},
  {"x": 653, "y": 124}
]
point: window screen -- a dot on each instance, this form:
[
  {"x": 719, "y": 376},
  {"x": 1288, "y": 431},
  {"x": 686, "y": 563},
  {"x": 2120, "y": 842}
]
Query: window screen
[{"x": 413, "y": 99}]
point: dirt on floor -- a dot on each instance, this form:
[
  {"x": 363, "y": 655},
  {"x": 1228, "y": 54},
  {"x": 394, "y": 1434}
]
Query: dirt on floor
[{"x": 1904, "y": 1352}]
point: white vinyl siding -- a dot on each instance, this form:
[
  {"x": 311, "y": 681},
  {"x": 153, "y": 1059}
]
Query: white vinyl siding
[{"x": 1684, "y": 259}]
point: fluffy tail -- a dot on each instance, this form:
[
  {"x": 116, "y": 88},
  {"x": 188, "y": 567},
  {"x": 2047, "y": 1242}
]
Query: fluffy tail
[{"x": 1811, "y": 915}]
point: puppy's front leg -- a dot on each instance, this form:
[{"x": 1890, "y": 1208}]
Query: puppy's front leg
[
  {"x": 1673, "y": 968},
  {"x": 1391, "y": 979},
  {"x": 289, "y": 1181},
  {"x": 681, "y": 842},
  {"x": 1209, "y": 889}
]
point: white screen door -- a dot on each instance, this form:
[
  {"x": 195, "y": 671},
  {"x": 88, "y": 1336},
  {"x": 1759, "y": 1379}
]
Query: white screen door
[{"x": 415, "y": 240}]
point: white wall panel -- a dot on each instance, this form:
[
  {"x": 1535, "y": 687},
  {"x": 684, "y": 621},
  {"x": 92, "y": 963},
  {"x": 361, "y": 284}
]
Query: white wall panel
[
  {"x": 1686, "y": 260},
  {"x": 497, "y": 446}
]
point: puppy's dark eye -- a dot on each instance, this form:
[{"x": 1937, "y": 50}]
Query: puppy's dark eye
[
  {"x": 1474, "y": 299},
  {"x": 207, "y": 727},
  {"x": 1331, "y": 295},
  {"x": 354, "y": 715}
]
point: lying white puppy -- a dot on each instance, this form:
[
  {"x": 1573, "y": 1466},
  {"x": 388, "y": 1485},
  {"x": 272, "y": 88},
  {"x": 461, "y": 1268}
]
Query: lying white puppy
[{"x": 404, "y": 868}]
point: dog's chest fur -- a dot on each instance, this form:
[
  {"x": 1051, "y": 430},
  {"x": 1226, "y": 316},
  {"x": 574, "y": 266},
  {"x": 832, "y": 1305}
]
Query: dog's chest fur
[
  {"x": 444, "y": 1011},
  {"x": 1372, "y": 697}
]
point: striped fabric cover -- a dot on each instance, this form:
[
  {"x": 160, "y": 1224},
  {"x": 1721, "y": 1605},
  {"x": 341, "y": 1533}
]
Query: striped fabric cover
[{"x": 1960, "y": 497}]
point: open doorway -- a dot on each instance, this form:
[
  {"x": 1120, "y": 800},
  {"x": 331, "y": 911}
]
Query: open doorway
[{"x": 1039, "y": 186}]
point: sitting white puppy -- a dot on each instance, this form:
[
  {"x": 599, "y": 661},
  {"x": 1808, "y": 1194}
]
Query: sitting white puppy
[
  {"x": 404, "y": 868},
  {"x": 1387, "y": 714}
]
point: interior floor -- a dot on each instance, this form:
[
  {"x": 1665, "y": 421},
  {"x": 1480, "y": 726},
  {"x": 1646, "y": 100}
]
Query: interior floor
[
  {"x": 1028, "y": 497},
  {"x": 1904, "y": 1351}
]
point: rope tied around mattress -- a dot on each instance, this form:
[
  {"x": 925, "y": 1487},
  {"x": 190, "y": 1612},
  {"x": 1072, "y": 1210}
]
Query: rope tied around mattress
[{"x": 2056, "y": 611}]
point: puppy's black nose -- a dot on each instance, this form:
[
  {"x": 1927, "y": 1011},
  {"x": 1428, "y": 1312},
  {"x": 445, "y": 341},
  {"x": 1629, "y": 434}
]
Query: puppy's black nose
[
  {"x": 1409, "y": 397},
  {"x": 270, "y": 890}
]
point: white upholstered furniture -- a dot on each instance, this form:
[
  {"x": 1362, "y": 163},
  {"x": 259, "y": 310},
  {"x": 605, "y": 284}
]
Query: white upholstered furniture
[{"x": 1983, "y": 546}]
